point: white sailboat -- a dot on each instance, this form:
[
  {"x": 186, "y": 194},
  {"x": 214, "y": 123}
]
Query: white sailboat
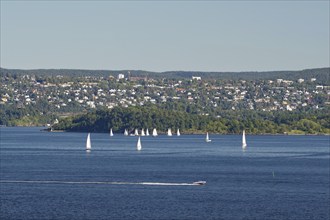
[
  {"x": 142, "y": 133},
  {"x": 207, "y": 139},
  {"x": 111, "y": 133},
  {"x": 154, "y": 132},
  {"x": 138, "y": 145},
  {"x": 243, "y": 140},
  {"x": 178, "y": 132},
  {"x": 136, "y": 133},
  {"x": 126, "y": 132},
  {"x": 147, "y": 132},
  {"x": 88, "y": 142},
  {"x": 169, "y": 132}
]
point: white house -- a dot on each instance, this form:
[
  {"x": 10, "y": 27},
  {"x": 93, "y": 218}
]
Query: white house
[{"x": 197, "y": 78}]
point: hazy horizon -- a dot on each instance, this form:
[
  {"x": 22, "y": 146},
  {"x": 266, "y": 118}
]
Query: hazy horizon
[{"x": 283, "y": 70}]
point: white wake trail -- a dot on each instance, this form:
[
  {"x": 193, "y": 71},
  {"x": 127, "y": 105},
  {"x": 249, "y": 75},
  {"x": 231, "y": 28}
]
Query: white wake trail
[{"x": 98, "y": 182}]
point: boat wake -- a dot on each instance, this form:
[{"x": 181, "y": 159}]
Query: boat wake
[
  {"x": 167, "y": 184},
  {"x": 103, "y": 182}
]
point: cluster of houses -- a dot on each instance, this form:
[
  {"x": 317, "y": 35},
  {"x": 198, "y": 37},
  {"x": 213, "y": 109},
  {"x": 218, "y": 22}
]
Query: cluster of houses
[{"x": 207, "y": 95}]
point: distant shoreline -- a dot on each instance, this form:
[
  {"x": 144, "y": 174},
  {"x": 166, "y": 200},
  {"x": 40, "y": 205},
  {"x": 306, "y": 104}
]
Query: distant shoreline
[
  {"x": 189, "y": 133},
  {"x": 43, "y": 128}
]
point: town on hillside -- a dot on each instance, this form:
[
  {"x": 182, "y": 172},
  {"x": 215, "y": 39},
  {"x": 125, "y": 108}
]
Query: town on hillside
[{"x": 63, "y": 94}]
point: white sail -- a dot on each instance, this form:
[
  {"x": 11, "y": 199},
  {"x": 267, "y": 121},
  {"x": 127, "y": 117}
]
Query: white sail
[
  {"x": 88, "y": 142},
  {"x": 142, "y": 133},
  {"x": 154, "y": 132},
  {"x": 136, "y": 133},
  {"x": 125, "y": 132},
  {"x": 138, "y": 145},
  {"x": 111, "y": 133},
  {"x": 243, "y": 140},
  {"x": 207, "y": 139},
  {"x": 178, "y": 132},
  {"x": 169, "y": 132},
  {"x": 147, "y": 132}
]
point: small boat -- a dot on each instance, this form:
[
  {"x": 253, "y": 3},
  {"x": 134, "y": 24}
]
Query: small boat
[
  {"x": 154, "y": 132},
  {"x": 136, "y": 133},
  {"x": 126, "y": 132},
  {"x": 200, "y": 183},
  {"x": 178, "y": 132},
  {"x": 243, "y": 140},
  {"x": 88, "y": 142},
  {"x": 111, "y": 133},
  {"x": 207, "y": 139},
  {"x": 138, "y": 145},
  {"x": 147, "y": 132},
  {"x": 169, "y": 132},
  {"x": 142, "y": 133}
]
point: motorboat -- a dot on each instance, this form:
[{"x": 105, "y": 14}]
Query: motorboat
[{"x": 199, "y": 183}]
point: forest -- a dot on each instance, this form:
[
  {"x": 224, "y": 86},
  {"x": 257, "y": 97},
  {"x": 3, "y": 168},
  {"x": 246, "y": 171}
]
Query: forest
[
  {"x": 143, "y": 117},
  {"x": 320, "y": 73}
]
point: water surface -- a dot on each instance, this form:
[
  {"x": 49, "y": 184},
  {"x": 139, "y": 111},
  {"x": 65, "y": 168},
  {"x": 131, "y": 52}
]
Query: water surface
[{"x": 49, "y": 175}]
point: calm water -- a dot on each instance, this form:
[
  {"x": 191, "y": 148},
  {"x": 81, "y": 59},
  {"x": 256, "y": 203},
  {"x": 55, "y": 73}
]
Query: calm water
[{"x": 277, "y": 177}]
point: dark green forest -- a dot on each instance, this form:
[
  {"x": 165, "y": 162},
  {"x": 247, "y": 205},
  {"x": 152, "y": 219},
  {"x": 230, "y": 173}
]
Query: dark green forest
[{"x": 150, "y": 117}]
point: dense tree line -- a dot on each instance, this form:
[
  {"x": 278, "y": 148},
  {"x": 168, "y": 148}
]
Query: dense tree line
[
  {"x": 319, "y": 73},
  {"x": 11, "y": 115},
  {"x": 120, "y": 118}
]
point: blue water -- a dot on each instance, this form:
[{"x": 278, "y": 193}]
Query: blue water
[{"x": 277, "y": 177}]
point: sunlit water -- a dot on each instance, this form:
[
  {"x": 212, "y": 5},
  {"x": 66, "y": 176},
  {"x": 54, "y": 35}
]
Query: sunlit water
[{"x": 51, "y": 176}]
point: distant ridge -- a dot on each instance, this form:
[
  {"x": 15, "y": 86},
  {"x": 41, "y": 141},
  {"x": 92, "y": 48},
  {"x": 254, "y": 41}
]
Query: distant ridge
[{"x": 320, "y": 73}]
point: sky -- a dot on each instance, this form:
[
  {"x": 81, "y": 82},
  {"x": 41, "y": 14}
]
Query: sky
[{"x": 162, "y": 36}]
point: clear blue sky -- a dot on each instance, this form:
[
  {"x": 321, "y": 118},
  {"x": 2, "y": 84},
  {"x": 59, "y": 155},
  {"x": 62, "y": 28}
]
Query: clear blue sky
[{"x": 164, "y": 36}]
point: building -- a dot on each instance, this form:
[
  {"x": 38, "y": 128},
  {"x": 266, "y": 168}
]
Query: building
[
  {"x": 121, "y": 76},
  {"x": 301, "y": 80},
  {"x": 196, "y": 78}
]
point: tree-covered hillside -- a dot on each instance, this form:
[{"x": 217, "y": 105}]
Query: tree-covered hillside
[
  {"x": 293, "y": 101},
  {"x": 320, "y": 73},
  {"x": 150, "y": 117}
]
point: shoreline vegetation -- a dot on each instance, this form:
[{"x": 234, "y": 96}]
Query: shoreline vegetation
[
  {"x": 292, "y": 133},
  {"x": 203, "y": 133},
  {"x": 258, "y": 123}
]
